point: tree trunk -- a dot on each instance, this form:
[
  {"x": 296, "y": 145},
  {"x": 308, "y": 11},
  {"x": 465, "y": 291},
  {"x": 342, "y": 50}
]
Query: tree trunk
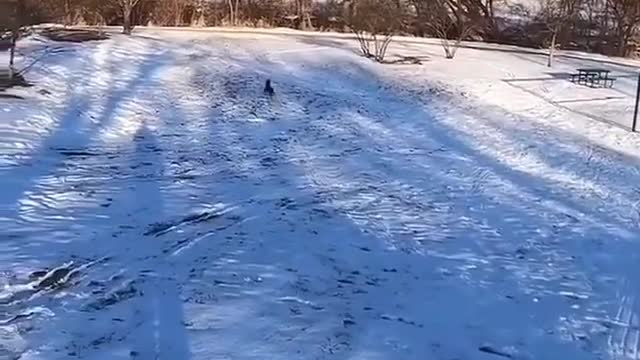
[
  {"x": 622, "y": 43},
  {"x": 198, "y": 15},
  {"x": 604, "y": 28},
  {"x": 309, "y": 23},
  {"x": 235, "y": 12},
  {"x": 177, "y": 20},
  {"x": 586, "y": 30},
  {"x": 126, "y": 19},
  {"x": 67, "y": 13},
  {"x": 12, "y": 52},
  {"x": 231, "y": 15},
  {"x": 625, "y": 38},
  {"x": 305, "y": 21},
  {"x": 552, "y": 47}
]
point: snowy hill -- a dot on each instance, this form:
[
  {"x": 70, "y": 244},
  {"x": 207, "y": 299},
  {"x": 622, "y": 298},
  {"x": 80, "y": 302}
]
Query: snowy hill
[{"x": 156, "y": 204}]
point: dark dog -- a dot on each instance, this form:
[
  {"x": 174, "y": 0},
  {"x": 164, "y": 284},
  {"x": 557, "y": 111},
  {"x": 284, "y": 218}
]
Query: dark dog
[{"x": 268, "y": 89}]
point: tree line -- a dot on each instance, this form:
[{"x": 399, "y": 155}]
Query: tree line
[{"x": 604, "y": 26}]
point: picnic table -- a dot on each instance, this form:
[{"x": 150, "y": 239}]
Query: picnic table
[{"x": 593, "y": 77}]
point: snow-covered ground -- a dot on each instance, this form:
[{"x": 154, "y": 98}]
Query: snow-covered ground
[{"x": 451, "y": 210}]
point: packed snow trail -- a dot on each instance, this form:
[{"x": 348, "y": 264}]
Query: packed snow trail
[{"x": 158, "y": 206}]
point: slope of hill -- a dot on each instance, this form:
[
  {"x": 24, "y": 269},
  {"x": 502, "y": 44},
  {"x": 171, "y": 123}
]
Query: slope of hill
[{"x": 156, "y": 204}]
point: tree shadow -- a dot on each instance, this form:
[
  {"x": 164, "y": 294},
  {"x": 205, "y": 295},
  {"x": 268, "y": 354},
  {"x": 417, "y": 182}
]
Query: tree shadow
[
  {"x": 341, "y": 160},
  {"x": 85, "y": 228},
  {"x": 76, "y": 128},
  {"x": 128, "y": 304},
  {"x": 606, "y": 168},
  {"x": 353, "y": 218}
]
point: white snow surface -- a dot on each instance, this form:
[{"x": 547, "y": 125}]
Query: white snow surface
[{"x": 475, "y": 208}]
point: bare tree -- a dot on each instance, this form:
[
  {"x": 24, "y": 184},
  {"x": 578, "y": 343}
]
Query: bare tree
[
  {"x": 303, "y": 12},
  {"x": 15, "y": 34},
  {"x": 478, "y": 13},
  {"x": 12, "y": 21},
  {"x": 270, "y": 12},
  {"x": 68, "y": 18},
  {"x": 15, "y": 16},
  {"x": 374, "y": 23},
  {"x": 198, "y": 15},
  {"x": 451, "y": 26},
  {"x": 626, "y": 14},
  {"x": 555, "y": 14},
  {"x": 178, "y": 8},
  {"x": 127, "y": 6},
  {"x": 233, "y": 11},
  {"x": 444, "y": 30},
  {"x": 610, "y": 26}
]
